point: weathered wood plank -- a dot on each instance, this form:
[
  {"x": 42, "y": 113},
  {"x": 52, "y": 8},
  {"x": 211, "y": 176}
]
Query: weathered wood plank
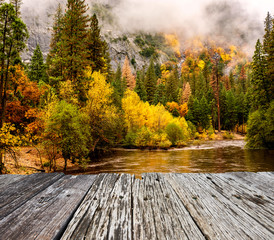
[
  {"x": 217, "y": 217},
  {"x": 263, "y": 182},
  {"x": 47, "y": 214},
  {"x": 6, "y": 179},
  {"x": 249, "y": 199},
  {"x": 158, "y": 213},
  {"x": 20, "y": 192},
  {"x": 160, "y": 206},
  {"x": 105, "y": 212}
]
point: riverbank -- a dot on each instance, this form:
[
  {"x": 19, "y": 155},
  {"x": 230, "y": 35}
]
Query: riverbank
[{"x": 31, "y": 160}]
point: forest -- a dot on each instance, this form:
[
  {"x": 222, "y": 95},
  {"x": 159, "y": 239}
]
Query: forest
[{"x": 74, "y": 104}]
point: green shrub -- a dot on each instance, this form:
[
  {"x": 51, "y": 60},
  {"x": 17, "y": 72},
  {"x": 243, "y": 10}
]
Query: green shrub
[
  {"x": 148, "y": 52},
  {"x": 130, "y": 138},
  {"x": 139, "y": 41},
  {"x": 174, "y": 132},
  {"x": 191, "y": 129}
]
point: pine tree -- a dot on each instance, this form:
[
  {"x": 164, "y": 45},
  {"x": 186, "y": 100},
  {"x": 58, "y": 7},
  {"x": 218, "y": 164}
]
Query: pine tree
[
  {"x": 127, "y": 75},
  {"x": 172, "y": 87},
  {"x": 150, "y": 82},
  {"x": 119, "y": 87},
  {"x": 259, "y": 81},
  {"x": 160, "y": 95},
  {"x": 37, "y": 69},
  {"x": 231, "y": 80},
  {"x": 270, "y": 61},
  {"x": 230, "y": 115},
  {"x": 97, "y": 48},
  {"x": 140, "y": 87},
  {"x": 267, "y": 36},
  {"x": 242, "y": 79},
  {"x": 204, "y": 113},
  {"x": 55, "y": 59},
  {"x": 74, "y": 42},
  {"x": 17, "y": 6}
]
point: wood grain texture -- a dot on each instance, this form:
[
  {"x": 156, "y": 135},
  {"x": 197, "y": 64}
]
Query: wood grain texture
[
  {"x": 216, "y": 215},
  {"x": 19, "y": 192},
  {"x": 158, "y": 206},
  {"x": 47, "y": 214},
  {"x": 105, "y": 213},
  {"x": 7, "y": 179},
  {"x": 255, "y": 202}
]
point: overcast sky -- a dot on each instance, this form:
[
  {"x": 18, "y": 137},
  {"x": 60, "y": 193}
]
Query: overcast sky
[{"x": 240, "y": 21}]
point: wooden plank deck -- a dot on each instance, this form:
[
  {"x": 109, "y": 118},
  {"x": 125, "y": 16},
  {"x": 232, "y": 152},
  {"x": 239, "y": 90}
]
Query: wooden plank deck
[{"x": 158, "y": 206}]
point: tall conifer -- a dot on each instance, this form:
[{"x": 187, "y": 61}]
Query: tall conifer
[
  {"x": 54, "y": 58},
  {"x": 140, "y": 87},
  {"x": 37, "y": 69},
  {"x": 260, "y": 84},
  {"x": 97, "y": 48},
  {"x": 150, "y": 82},
  {"x": 74, "y": 38}
]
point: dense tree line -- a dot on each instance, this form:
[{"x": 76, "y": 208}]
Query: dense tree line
[{"x": 75, "y": 105}]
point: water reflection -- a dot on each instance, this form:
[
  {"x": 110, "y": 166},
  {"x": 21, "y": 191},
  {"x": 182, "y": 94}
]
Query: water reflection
[{"x": 214, "y": 157}]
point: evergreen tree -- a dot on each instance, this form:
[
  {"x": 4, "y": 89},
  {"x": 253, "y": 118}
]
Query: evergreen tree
[
  {"x": 242, "y": 79},
  {"x": 267, "y": 36},
  {"x": 17, "y": 6},
  {"x": 140, "y": 87},
  {"x": 205, "y": 113},
  {"x": 55, "y": 57},
  {"x": 97, "y": 48},
  {"x": 172, "y": 87},
  {"x": 260, "y": 129},
  {"x": 243, "y": 106},
  {"x": 158, "y": 72},
  {"x": 160, "y": 95},
  {"x": 230, "y": 113},
  {"x": 37, "y": 69},
  {"x": 196, "y": 112},
  {"x": 231, "y": 80},
  {"x": 259, "y": 81},
  {"x": 74, "y": 43},
  {"x": 270, "y": 61},
  {"x": 119, "y": 87},
  {"x": 150, "y": 82}
]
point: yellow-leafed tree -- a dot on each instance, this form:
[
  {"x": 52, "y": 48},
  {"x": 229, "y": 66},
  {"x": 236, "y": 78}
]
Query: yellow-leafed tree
[{"x": 102, "y": 114}]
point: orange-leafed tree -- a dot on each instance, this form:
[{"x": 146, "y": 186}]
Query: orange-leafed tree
[
  {"x": 127, "y": 75},
  {"x": 186, "y": 93}
]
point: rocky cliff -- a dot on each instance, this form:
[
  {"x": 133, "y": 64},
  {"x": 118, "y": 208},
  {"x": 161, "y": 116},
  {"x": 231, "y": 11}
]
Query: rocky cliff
[{"x": 138, "y": 47}]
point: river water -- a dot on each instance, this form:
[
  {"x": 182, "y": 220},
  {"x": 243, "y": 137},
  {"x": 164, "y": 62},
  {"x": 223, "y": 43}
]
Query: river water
[{"x": 210, "y": 157}]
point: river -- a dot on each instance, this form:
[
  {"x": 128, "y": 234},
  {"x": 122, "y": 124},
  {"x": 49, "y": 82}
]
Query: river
[{"x": 210, "y": 156}]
